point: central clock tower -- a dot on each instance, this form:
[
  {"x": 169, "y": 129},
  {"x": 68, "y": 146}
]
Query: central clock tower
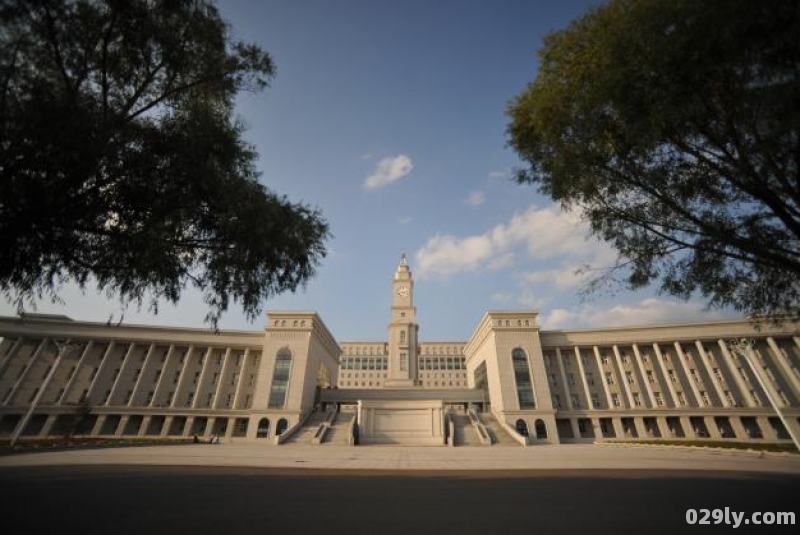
[{"x": 403, "y": 330}]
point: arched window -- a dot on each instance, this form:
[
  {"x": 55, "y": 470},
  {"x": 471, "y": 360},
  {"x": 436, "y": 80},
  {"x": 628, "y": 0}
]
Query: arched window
[
  {"x": 523, "y": 378},
  {"x": 541, "y": 429},
  {"x": 263, "y": 428},
  {"x": 522, "y": 427},
  {"x": 280, "y": 379},
  {"x": 281, "y": 427}
]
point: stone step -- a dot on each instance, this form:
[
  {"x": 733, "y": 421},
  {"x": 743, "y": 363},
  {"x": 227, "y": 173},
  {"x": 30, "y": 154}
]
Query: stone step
[{"x": 499, "y": 435}]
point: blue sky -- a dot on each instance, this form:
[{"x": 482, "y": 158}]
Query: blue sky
[{"x": 390, "y": 117}]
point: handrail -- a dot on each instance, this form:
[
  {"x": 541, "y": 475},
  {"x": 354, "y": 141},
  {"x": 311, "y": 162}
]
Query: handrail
[
  {"x": 283, "y": 437},
  {"x": 451, "y": 431},
  {"x": 483, "y": 434},
  {"x": 522, "y": 439},
  {"x": 351, "y": 431}
]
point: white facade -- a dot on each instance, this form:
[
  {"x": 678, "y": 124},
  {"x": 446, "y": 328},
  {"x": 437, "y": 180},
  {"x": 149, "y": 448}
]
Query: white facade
[{"x": 654, "y": 382}]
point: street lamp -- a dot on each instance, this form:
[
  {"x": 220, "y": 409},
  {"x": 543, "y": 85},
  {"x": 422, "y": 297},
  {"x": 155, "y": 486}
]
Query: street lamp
[
  {"x": 743, "y": 348},
  {"x": 64, "y": 349}
]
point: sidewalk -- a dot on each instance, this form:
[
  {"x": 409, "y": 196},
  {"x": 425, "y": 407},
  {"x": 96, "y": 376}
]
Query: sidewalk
[{"x": 563, "y": 457}]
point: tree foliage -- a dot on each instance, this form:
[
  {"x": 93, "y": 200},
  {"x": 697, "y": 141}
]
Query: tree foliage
[
  {"x": 122, "y": 162},
  {"x": 673, "y": 125}
]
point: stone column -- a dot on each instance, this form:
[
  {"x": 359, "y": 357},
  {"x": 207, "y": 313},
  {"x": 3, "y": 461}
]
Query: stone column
[
  {"x": 167, "y": 425},
  {"x": 98, "y": 424},
  {"x": 187, "y": 430},
  {"x": 738, "y": 428},
  {"x": 145, "y": 424},
  {"x": 713, "y": 430},
  {"x": 688, "y": 428},
  {"x": 767, "y": 430},
  {"x": 48, "y": 425},
  {"x": 123, "y": 423}
]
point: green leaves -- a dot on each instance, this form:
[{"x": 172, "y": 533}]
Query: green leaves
[
  {"x": 674, "y": 126},
  {"x": 120, "y": 160}
]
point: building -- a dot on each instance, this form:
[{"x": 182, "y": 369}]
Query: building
[{"x": 510, "y": 382}]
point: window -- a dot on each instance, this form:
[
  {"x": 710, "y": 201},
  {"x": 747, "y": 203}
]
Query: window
[
  {"x": 595, "y": 401},
  {"x": 659, "y": 400},
  {"x": 576, "y": 402},
  {"x": 552, "y": 377},
  {"x": 629, "y": 377},
  {"x": 556, "y": 401},
  {"x": 590, "y": 378},
  {"x": 609, "y": 378},
  {"x": 681, "y": 398},
  {"x": 280, "y": 379},
  {"x": 650, "y": 378},
  {"x": 402, "y": 337},
  {"x": 756, "y": 398},
  {"x": 403, "y": 361},
  {"x": 637, "y": 400},
  {"x": 615, "y": 400},
  {"x": 704, "y": 396},
  {"x": 523, "y": 379},
  {"x": 672, "y": 377},
  {"x": 571, "y": 379}
]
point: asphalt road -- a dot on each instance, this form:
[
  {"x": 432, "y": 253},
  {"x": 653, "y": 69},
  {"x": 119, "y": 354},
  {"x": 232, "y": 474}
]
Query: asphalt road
[{"x": 198, "y": 500}]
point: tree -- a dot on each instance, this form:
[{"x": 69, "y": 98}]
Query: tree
[
  {"x": 673, "y": 127},
  {"x": 122, "y": 162},
  {"x": 80, "y": 418}
]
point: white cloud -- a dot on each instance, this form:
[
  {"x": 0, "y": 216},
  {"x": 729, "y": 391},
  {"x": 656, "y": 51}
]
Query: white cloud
[
  {"x": 545, "y": 234},
  {"x": 647, "y": 311},
  {"x": 501, "y": 174},
  {"x": 475, "y": 198},
  {"x": 389, "y": 170},
  {"x": 405, "y": 220},
  {"x": 561, "y": 279}
]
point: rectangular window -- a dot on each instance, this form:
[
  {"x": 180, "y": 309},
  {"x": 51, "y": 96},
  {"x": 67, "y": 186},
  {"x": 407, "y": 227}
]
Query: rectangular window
[
  {"x": 609, "y": 378},
  {"x": 650, "y": 378},
  {"x": 280, "y": 380},
  {"x": 571, "y": 379},
  {"x": 552, "y": 379},
  {"x": 576, "y": 402},
  {"x": 637, "y": 400},
  {"x": 704, "y": 397},
  {"x": 590, "y": 378},
  {"x": 595, "y": 401},
  {"x": 629, "y": 377},
  {"x": 681, "y": 399},
  {"x": 615, "y": 400},
  {"x": 659, "y": 400},
  {"x": 756, "y": 398},
  {"x": 556, "y": 401}
]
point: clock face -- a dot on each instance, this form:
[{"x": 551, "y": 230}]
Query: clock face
[{"x": 403, "y": 291}]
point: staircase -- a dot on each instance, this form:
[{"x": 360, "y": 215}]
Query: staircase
[
  {"x": 304, "y": 434},
  {"x": 499, "y": 435},
  {"x": 338, "y": 434},
  {"x": 464, "y": 433}
]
